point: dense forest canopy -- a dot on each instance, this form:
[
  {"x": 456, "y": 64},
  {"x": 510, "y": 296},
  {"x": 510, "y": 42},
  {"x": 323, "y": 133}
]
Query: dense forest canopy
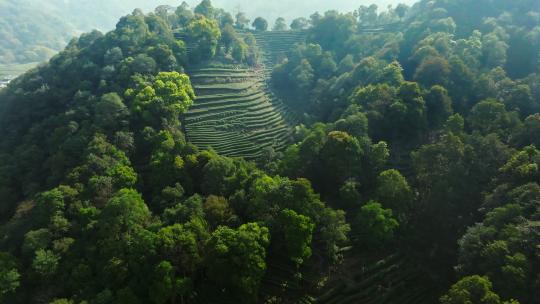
[
  {"x": 33, "y": 31},
  {"x": 411, "y": 174}
]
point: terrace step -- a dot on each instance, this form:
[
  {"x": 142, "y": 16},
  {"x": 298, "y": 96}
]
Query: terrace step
[{"x": 235, "y": 112}]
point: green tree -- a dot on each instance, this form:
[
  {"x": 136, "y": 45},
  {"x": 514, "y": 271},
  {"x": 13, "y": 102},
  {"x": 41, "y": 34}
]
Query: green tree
[
  {"x": 260, "y": 24},
  {"x": 401, "y": 10},
  {"x": 346, "y": 64},
  {"x": 123, "y": 213},
  {"x": 327, "y": 66},
  {"x": 125, "y": 246},
  {"x": 167, "y": 286},
  {"x": 62, "y": 301},
  {"x": 299, "y": 24},
  {"x": 242, "y": 21},
  {"x": 438, "y": 106},
  {"x": 240, "y": 50},
  {"x": 218, "y": 176},
  {"x": 280, "y": 24},
  {"x": 494, "y": 50},
  {"x": 228, "y": 36},
  {"x": 376, "y": 225},
  {"x": 181, "y": 245},
  {"x": 333, "y": 30},
  {"x": 185, "y": 210},
  {"x": 520, "y": 99},
  {"x": 303, "y": 76},
  {"x": 342, "y": 156},
  {"x": 165, "y": 165},
  {"x": 368, "y": 15},
  {"x": 45, "y": 263},
  {"x": 334, "y": 232},
  {"x": 491, "y": 247},
  {"x": 160, "y": 102},
  {"x": 297, "y": 232},
  {"x": 184, "y": 14},
  {"x": 111, "y": 114},
  {"x": 217, "y": 210},
  {"x": 143, "y": 64},
  {"x": 235, "y": 259},
  {"x": 205, "y": 33},
  {"x": 491, "y": 116},
  {"x": 49, "y": 203},
  {"x": 433, "y": 71},
  {"x": 527, "y": 135},
  {"x": 349, "y": 193},
  {"x": 225, "y": 18},
  {"x": 104, "y": 171},
  {"x": 164, "y": 57},
  {"x": 35, "y": 240},
  {"x": 9, "y": 275},
  {"x": 205, "y": 8},
  {"x": 394, "y": 192},
  {"x": 355, "y": 125},
  {"x": 473, "y": 289}
]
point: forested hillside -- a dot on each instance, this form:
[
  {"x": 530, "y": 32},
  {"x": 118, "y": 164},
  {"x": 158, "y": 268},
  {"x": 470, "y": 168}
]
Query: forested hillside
[{"x": 192, "y": 156}]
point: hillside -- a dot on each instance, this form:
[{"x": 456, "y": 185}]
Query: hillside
[{"x": 190, "y": 155}]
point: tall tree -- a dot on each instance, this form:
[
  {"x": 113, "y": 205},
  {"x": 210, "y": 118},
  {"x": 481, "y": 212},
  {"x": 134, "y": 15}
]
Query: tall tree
[
  {"x": 206, "y": 9},
  {"x": 236, "y": 259},
  {"x": 280, "y": 24},
  {"x": 260, "y": 24},
  {"x": 474, "y": 289},
  {"x": 299, "y": 24}
]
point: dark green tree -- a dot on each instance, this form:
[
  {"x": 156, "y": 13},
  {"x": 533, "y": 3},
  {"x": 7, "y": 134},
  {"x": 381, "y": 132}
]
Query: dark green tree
[
  {"x": 374, "y": 225},
  {"x": 299, "y": 24},
  {"x": 260, "y": 24},
  {"x": 206, "y": 9},
  {"x": 280, "y": 24},
  {"x": 236, "y": 259},
  {"x": 474, "y": 289}
]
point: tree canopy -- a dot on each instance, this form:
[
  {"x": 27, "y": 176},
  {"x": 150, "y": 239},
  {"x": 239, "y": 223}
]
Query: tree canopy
[{"x": 392, "y": 158}]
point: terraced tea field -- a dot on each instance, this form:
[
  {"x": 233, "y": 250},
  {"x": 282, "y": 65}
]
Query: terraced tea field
[
  {"x": 235, "y": 113},
  {"x": 276, "y": 44},
  {"x": 393, "y": 280}
]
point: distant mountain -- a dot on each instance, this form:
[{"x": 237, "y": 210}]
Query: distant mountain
[
  {"x": 28, "y": 33},
  {"x": 33, "y": 31}
]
